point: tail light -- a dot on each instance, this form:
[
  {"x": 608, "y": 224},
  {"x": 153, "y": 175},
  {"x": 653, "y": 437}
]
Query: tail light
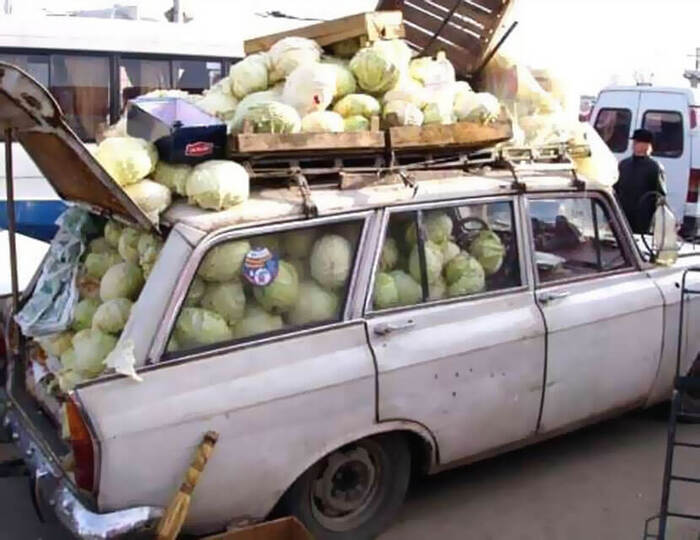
[
  {"x": 83, "y": 447},
  {"x": 693, "y": 113}
]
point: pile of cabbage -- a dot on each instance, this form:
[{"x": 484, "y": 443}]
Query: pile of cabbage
[
  {"x": 222, "y": 305},
  {"x": 451, "y": 270},
  {"x": 112, "y": 272}
]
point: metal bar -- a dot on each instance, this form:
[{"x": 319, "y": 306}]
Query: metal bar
[
  {"x": 684, "y": 516},
  {"x": 491, "y": 54},
  {"x": 11, "y": 224},
  {"x": 598, "y": 256},
  {"x": 420, "y": 245},
  {"x": 668, "y": 466},
  {"x": 685, "y": 479},
  {"x": 687, "y": 445}
]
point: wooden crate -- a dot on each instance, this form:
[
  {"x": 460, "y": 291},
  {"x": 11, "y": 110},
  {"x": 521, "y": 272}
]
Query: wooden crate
[
  {"x": 288, "y": 528},
  {"x": 466, "y": 135},
  {"x": 370, "y": 26}
]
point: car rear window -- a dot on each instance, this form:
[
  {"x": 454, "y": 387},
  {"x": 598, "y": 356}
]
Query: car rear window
[
  {"x": 613, "y": 126},
  {"x": 667, "y": 127}
]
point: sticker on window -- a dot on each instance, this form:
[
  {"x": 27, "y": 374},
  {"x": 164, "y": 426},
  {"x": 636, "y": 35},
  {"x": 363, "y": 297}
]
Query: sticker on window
[{"x": 260, "y": 267}]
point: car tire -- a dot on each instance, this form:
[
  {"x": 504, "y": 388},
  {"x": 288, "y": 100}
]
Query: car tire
[{"x": 354, "y": 492}]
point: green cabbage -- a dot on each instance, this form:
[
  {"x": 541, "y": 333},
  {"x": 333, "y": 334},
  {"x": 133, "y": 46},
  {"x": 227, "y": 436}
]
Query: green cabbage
[
  {"x": 173, "y": 176},
  {"x": 256, "y": 321},
  {"x": 464, "y": 275},
  {"x": 67, "y": 380},
  {"x": 196, "y": 292},
  {"x": 128, "y": 244},
  {"x": 91, "y": 348},
  {"x": 224, "y": 262},
  {"x": 196, "y": 326},
  {"x": 68, "y": 357},
  {"x": 438, "y": 112},
  {"x": 56, "y": 344},
  {"x": 395, "y": 50},
  {"x": 356, "y": 123},
  {"x": 375, "y": 70},
  {"x": 148, "y": 248},
  {"x": 433, "y": 262},
  {"x": 357, "y": 105},
  {"x": 345, "y": 82},
  {"x": 83, "y": 313},
  {"x": 126, "y": 159},
  {"x": 272, "y": 117},
  {"x": 151, "y": 197},
  {"x": 401, "y": 113},
  {"x": 298, "y": 243},
  {"x": 406, "y": 89},
  {"x": 123, "y": 280},
  {"x": 409, "y": 290},
  {"x": 219, "y": 101},
  {"x": 313, "y": 304},
  {"x": 390, "y": 255},
  {"x": 269, "y": 241},
  {"x": 449, "y": 251},
  {"x": 310, "y": 88},
  {"x": 346, "y": 48},
  {"x": 331, "y": 258},
  {"x": 173, "y": 345},
  {"x": 112, "y": 232},
  {"x": 438, "y": 289},
  {"x": 386, "y": 293},
  {"x": 322, "y": 122},
  {"x": 274, "y": 94},
  {"x": 438, "y": 227},
  {"x": 111, "y": 316},
  {"x": 302, "y": 268},
  {"x": 291, "y": 52},
  {"x": 226, "y": 299},
  {"x": 433, "y": 72},
  {"x": 218, "y": 184},
  {"x": 249, "y": 75},
  {"x": 96, "y": 264},
  {"x": 479, "y": 107},
  {"x": 488, "y": 249},
  {"x": 99, "y": 245},
  {"x": 147, "y": 269},
  {"x": 281, "y": 294}
]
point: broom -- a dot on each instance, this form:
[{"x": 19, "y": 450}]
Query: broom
[{"x": 170, "y": 524}]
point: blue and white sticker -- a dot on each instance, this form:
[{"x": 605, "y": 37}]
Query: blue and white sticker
[{"x": 260, "y": 267}]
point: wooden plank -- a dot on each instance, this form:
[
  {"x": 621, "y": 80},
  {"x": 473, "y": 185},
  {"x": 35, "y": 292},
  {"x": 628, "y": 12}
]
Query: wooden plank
[
  {"x": 492, "y": 5},
  {"x": 461, "y": 134},
  {"x": 442, "y": 12},
  {"x": 269, "y": 143},
  {"x": 374, "y": 25}
]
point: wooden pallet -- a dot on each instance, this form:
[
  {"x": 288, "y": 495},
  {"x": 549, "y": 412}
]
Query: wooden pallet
[
  {"x": 461, "y": 135},
  {"x": 370, "y": 27}
]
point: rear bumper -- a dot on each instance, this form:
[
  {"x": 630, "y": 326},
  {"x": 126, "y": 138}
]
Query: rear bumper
[{"x": 52, "y": 490}]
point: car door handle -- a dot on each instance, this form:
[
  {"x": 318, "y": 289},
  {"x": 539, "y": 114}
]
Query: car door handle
[
  {"x": 388, "y": 328},
  {"x": 546, "y": 298}
]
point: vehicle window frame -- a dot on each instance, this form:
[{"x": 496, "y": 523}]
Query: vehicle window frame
[
  {"x": 677, "y": 113},
  {"x": 369, "y": 312},
  {"x": 629, "y": 127},
  {"x": 614, "y": 222},
  {"x": 159, "y": 356}
]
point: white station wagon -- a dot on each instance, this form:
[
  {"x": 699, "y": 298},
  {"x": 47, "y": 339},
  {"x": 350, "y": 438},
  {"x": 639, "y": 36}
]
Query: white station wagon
[{"x": 517, "y": 312}]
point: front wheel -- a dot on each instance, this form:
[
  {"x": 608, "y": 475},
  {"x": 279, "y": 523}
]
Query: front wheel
[{"x": 355, "y": 491}]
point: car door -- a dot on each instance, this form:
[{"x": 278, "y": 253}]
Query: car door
[
  {"x": 458, "y": 340},
  {"x": 603, "y": 315}
]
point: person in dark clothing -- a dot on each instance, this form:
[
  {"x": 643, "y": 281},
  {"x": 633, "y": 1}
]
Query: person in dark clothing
[{"x": 641, "y": 176}]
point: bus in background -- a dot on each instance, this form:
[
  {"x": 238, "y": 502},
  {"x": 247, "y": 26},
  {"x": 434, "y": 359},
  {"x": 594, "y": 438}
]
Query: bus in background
[{"x": 93, "y": 67}]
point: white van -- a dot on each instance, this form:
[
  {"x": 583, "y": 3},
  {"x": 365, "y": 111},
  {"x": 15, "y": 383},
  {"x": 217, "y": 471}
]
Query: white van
[{"x": 672, "y": 114}]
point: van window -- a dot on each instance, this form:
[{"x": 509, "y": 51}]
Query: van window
[
  {"x": 468, "y": 249},
  {"x": 140, "y": 76},
  {"x": 195, "y": 76},
  {"x": 37, "y": 65},
  {"x": 267, "y": 284},
  {"x": 667, "y": 127},
  {"x": 613, "y": 126},
  {"x": 80, "y": 85}
]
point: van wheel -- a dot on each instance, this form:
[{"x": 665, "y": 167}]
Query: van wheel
[{"x": 355, "y": 491}]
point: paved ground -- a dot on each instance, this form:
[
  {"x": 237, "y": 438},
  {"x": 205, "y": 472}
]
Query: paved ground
[{"x": 597, "y": 484}]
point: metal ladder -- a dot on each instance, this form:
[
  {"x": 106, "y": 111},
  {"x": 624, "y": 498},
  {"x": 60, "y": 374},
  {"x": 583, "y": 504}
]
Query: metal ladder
[{"x": 681, "y": 385}]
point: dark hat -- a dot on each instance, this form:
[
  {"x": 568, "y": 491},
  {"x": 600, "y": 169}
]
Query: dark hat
[{"x": 643, "y": 135}]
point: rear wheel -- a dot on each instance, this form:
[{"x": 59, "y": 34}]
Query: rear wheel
[{"x": 355, "y": 491}]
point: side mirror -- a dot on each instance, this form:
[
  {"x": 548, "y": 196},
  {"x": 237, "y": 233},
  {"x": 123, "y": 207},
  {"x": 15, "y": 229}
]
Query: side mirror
[{"x": 665, "y": 237}]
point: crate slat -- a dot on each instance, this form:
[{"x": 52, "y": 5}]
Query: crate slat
[
  {"x": 269, "y": 143},
  {"x": 462, "y": 134}
]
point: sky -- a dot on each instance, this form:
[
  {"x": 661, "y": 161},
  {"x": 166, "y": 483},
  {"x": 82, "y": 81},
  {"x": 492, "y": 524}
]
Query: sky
[{"x": 592, "y": 43}]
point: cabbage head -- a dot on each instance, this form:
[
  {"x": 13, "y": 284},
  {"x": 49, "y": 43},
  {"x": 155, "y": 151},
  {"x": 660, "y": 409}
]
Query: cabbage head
[
  {"x": 433, "y": 72},
  {"x": 396, "y": 50},
  {"x": 322, "y": 122},
  {"x": 272, "y": 117},
  {"x": 218, "y": 184},
  {"x": 302, "y": 268},
  {"x": 449, "y": 251},
  {"x": 464, "y": 275},
  {"x": 256, "y": 321},
  {"x": 126, "y": 159},
  {"x": 386, "y": 294},
  {"x": 407, "y": 89},
  {"x": 438, "y": 227},
  {"x": 274, "y": 94},
  {"x": 356, "y": 123},
  {"x": 331, "y": 258},
  {"x": 313, "y": 304},
  {"x": 345, "y": 82},
  {"x": 437, "y": 290},
  {"x": 390, "y": 255},
  {"x": 123, "y": 280},
  {"x": 68, "y": 357},
  {"x": 433, "y": 262},
  {"x": 128, "y": 244},
  {"x": 111, "y": 316},
  {"x": 375, "y": 70},
  {"x": 410, "y": 291},
  {"x": 291, "y": 52},
  {"x": 197, "y": 326},
  {"x": 480, "y": 107},
  {"x": 173, "y": 176},
  {"x": 346, "y": 48},
  {"x": 357, "y": 105},
  {"x": 281, "y": 294},
  {"x": 488, "y": 249},
  {"x": 298, "y": 243},
  {"x": 56, "y": 344},
  {"x": 67, "y": 380},
  {"x": 88, "y": 287},
  {"x": 83, "y": 313},
  {"x": 148, "y": 248},
  {"x": 438, "y": 112},
  {"x": 310, "y": 88},
  {"x": 112, "y": 232},
  {"x": 224, "y": 262},
  {"x": 151, "y": 197},
  {"x": 91, "y": 348},
  {"x": 226, "y": 299},
  {"x": 218, "y": 101},
  {"x": 249, "y": 75},
  {"x": 401, "y": 113},
  {"x": 196, "y": 292},
  {"x": 99, "y": 245},
  {"x": 96, "y": 264},
  {"x": 269, "y": 241}
]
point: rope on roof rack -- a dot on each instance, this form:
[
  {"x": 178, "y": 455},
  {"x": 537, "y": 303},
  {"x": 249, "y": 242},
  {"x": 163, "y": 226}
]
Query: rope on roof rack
[{"x": 310, "y": 208}]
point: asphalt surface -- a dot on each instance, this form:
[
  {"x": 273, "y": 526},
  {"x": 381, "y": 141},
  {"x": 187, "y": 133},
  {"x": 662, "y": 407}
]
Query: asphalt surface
[{"x": 599, "y": 483}]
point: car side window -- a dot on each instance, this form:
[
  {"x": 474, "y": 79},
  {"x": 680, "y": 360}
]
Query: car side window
[
  {"x": 574, "y": 237},
  {"x": 613, "y": 126},
  {"x": 667, "y": 127},
  {"x": 460, "y": 251},
  {"x": 266, "y": 284}
]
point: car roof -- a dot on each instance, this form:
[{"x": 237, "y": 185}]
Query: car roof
[
  {"x": 267, "y": 206},
  {"x": 692, "y": 94}
]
